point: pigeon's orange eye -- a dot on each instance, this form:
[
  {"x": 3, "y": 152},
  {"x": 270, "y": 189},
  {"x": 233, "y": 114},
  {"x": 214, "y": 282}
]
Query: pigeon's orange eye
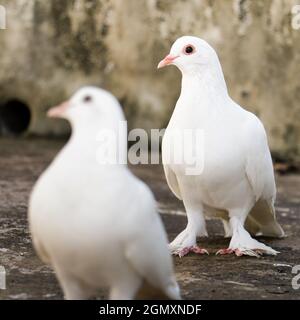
[
  {"x": 87, "y": 99},
  {"x": 189, "y": 49}
]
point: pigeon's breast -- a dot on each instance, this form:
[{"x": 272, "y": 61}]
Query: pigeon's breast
[
  {"x": 78, "y": 223},
  {"x": 212, "y": 165}
]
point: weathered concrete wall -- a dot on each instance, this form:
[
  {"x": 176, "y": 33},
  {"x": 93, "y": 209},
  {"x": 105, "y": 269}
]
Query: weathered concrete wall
[{"x": 51, "y": 48}]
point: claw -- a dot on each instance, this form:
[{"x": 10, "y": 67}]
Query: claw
[
  {"x": 238, "y": 252},
  {"x": 181, "y": 253},
  {"x": 198, "y": 250},
  {"x": 241, "y": 252},
  {"x": 195, "y": 249},
  {"x": 224, "y": 251}
]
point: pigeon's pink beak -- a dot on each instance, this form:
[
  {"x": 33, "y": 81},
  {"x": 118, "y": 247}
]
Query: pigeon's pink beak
[
  {"x": 166, "y": 61},
  {"x": 58, "y": 111}
]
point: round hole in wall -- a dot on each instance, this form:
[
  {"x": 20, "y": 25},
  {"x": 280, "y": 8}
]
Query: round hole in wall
[{"x": 14, "y": 117}]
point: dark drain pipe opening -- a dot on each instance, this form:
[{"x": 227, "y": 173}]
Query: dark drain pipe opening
[{"x": 14, "y": 117}]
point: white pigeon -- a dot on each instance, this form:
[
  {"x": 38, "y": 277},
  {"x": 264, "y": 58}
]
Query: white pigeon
[
  {"x": 236, "y": 182},
  {"x": 92, "y": 220}
]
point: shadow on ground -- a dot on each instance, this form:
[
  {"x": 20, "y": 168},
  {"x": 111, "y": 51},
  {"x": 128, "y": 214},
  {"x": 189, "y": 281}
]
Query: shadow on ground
[{"x": 200, "y": 277}]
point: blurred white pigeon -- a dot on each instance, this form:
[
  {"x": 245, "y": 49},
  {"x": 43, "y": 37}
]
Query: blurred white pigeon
[
  {"x": 237, "y": 181},
  {"x": 96, "y": 224}
]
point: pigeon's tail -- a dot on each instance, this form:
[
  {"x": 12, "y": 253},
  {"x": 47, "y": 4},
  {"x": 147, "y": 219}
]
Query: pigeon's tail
[
  {"x": 262, "y": 220},
  {"x": 272, "y": 230}
]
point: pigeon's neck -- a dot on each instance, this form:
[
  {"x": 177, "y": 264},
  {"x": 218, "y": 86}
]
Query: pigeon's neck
[
  {"x": 205, "y": 84},
  {"x": 106, "y": 142}
]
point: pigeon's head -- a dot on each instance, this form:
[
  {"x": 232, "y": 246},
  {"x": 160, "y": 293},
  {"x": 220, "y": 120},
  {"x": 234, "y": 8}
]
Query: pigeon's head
[
  {"x": 88, "y": 105},
  {"x": 190, "y": 54}
]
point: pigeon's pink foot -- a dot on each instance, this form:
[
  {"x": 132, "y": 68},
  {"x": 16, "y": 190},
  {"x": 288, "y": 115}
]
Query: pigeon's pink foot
[
  {"x": 224, "y": 251},
  {"x": 239, "y": 253},
  {"x": 194, "y": 249}
]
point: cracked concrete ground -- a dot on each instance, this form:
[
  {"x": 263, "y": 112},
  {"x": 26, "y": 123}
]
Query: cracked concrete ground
[{"x": 200, "y": 277}]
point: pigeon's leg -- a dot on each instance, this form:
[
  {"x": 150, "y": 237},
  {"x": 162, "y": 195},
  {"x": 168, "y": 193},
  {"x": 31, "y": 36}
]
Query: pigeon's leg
[
  {"x": 241, "y": 242},
  {"x": 72, "y": 288},
  {"x": 227, "y": 229},
  {"x": 185, "y": 242}
]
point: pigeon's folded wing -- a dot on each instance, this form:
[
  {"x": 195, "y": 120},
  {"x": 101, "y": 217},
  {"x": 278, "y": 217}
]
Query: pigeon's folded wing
[
  {"x": 151, "y": 263},
  {"x": 259, "y": 167},
  {"x": 146, "y": 247},
  {"x": 259, "y": 171}
]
